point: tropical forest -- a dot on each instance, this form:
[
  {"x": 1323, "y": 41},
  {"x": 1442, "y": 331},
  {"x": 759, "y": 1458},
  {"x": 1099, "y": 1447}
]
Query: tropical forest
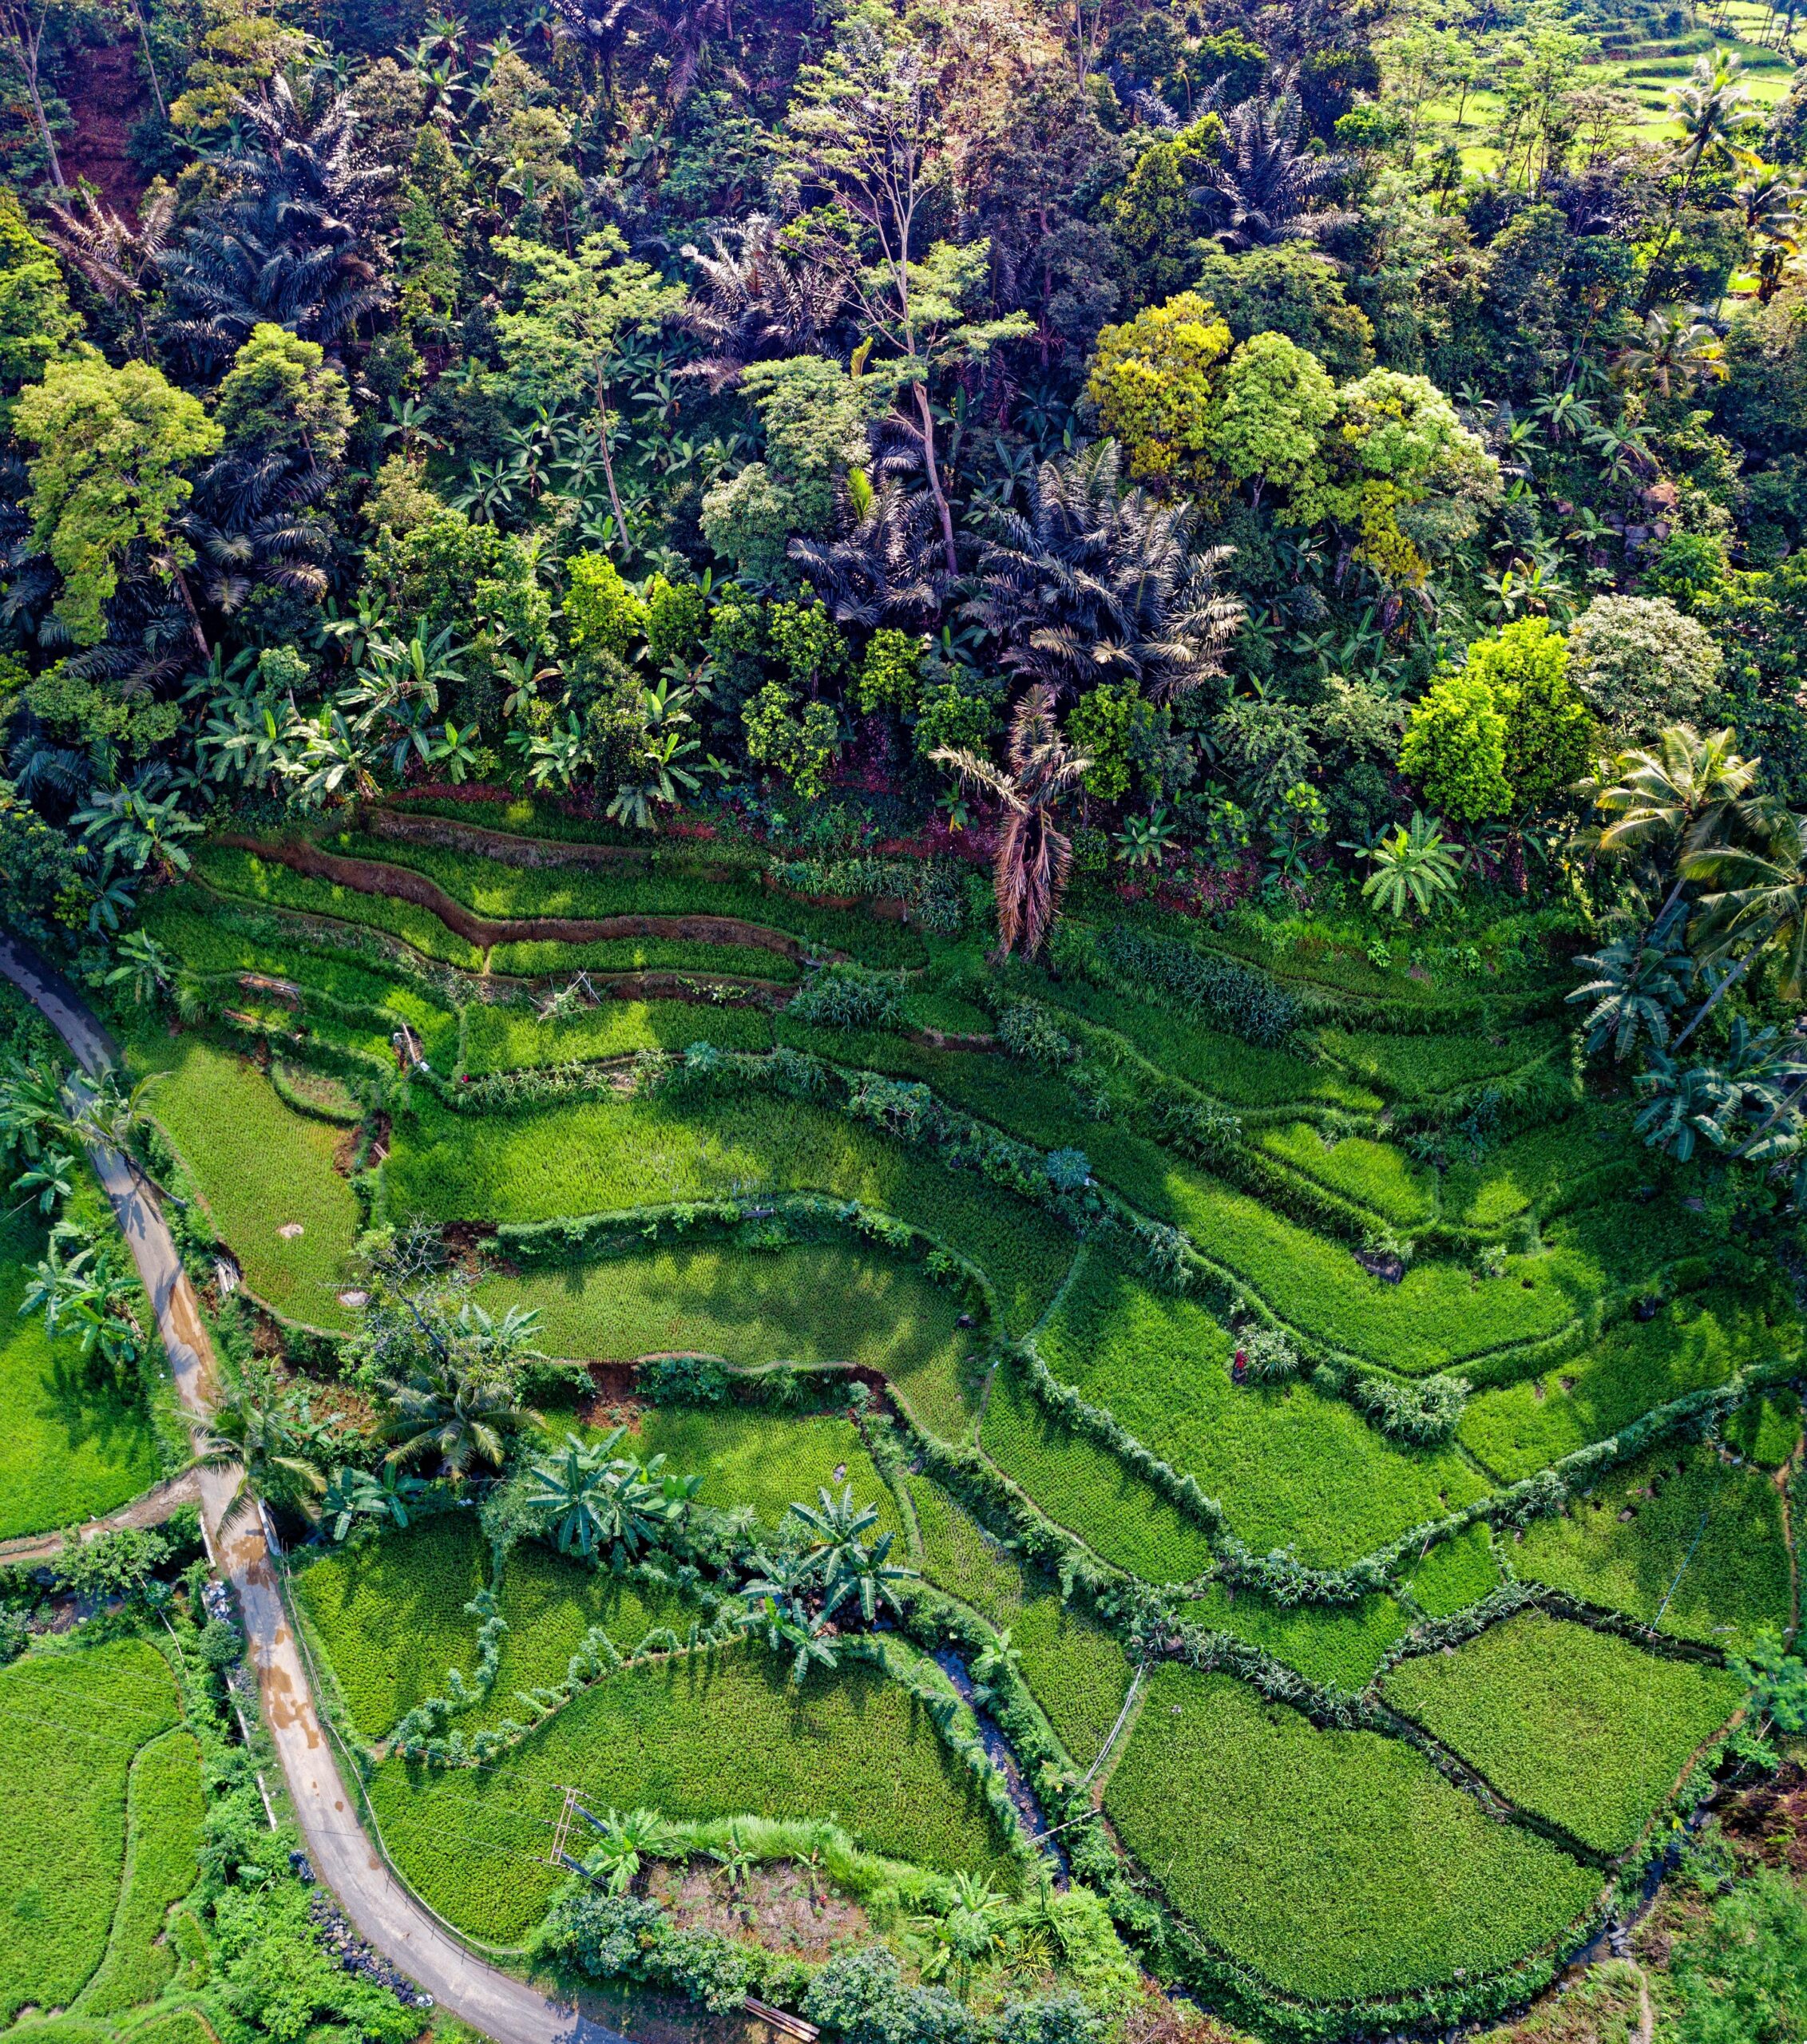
[{"x": 903, "y": 1021}]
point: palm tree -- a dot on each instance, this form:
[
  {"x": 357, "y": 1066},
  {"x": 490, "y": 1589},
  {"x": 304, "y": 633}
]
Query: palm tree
[
  {"x": 462, "y": 1417},
  {"x": 762, "y": 299},
  {"x": 1034, "y": 857},
  {"x": 1678, "y": 345},
  {"x": 1638, "y": 985},
  {"x": 1682, "y": 796},
  {"x": 1264, "y": 182},
  {"x": 1414, "y": 868},
  {"x": 275, "y": 1440},
  {"x": 1095, "y": 584},
  {"x": 120, "y": 263},
  {"x": 1758, "y": 897},
  {"x": 1716, "y": 113},
  {"x": 289, "y": 243}
]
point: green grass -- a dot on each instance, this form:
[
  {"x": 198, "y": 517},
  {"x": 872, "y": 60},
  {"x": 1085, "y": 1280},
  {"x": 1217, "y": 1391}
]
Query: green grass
[
  {"x": 71, "y": 1724},
  {"x": 1077, "y": 1671},
  {"x": 73, "y": 1445},
  {"x": 815, "y": 1302},
  {"x": 210, "y": 940},
  {"x": 245, "y": 876},
  {"x": 260, "y": 1167},
  {"x": 1678, "y": 1530},
  {"x": 1766, "y": 1427},
  {"x": 550, "y": 1602},
  {"x": 162, "y": 1859},
  {"x": 1244, "y": 1075},
  {"x": 1699, "y": 1340},
  {"x": 1442, "y": 1315},
  {"x": 701, "y": 1735},
  {"x": 1337, "y": 1864},
  {"x": 1453, "y": 1575},
  {"x": 1561, "y": 1162},
  {"x": 511, "y": 1039},
  {"x": 1375, "y": 1175},
  {"x": 1088, "y": 1490},
  {"x": 768, "y": 1461},
  {"x": 1290, "y": 1467},
  {"x": 601, "y": 1155},
  {"x": 1339, "y": 1645},
  {"x": 541, "y": 957},
  {"x": 679, "y": 884},
  {"x": 389, "y": 1615},
  {"x": 1578, "y": 1727},
  {"x": 1426, "y": 1067}
]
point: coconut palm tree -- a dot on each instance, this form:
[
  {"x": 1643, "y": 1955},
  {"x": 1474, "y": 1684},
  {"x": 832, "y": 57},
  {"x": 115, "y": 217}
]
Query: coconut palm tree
[
  {"x": 1684, "y": 795},
  {"x": 1093, "y": 583},
  {"x": 1717, "y": 114},
  {"x": 1638, "y": 985},
  {"x": 463, "y": 1419},
  {"x": 274, "y": 1438},
  {"x": 1757, "y": 896},
  {"x": 1034, "y": 856}
]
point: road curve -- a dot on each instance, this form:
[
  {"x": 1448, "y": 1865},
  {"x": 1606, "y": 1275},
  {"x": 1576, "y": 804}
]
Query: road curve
[{"x": 344, "y": 1859}]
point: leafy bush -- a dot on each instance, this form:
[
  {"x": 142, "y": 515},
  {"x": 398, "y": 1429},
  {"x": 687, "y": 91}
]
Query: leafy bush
[
  {"x": 1424, "y": 1412},
  {"x": 1235, "y": 995},
  {"x": 845, "y": 997},
  {"x": 1028, "y": 1031},
  {"x": 682, "y": 1380}
]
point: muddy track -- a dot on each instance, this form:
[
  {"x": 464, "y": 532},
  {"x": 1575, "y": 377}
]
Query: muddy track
[
  {"x": 404, "y": 827},
  {"x": 401, "y": 883}
]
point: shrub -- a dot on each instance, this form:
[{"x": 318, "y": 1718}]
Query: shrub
[
  {"x": 1641, "y": 663},
  {"x": 1244, "y": 1001},
  {"x": 861, "y": 1997},
  {"x": 1267, "y": 1355},
  {"x": 683, "y": 1381},
  {"x": 1028, "y": 1031},
  {"x": 848, "y": 997},
  {"x": 1424, "y": 1412},
  {"x": 1455, "y": 749}
]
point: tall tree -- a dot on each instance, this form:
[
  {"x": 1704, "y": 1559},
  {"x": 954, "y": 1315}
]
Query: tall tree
[{"x": 107, "y": 478}]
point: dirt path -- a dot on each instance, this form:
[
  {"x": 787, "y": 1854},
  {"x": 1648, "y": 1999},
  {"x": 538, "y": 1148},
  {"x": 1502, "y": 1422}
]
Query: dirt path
[
  {"x": 344, "y": 1859},
  {"x": 402, "y": 883},
  {"x": 151, "y": 1509},
  {"x": 107, "y": 97}
]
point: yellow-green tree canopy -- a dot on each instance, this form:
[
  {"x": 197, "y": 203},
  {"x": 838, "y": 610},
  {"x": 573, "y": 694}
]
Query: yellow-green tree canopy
[
  {"x": 1153, "y": 382},
  {"x": 1455, "y": 749},
  {"x": 279, "y": 395},
  {"x": 1276, "y": 399},
  {"x": 111, "y": 444},
  {"x": 1404, "y": 472},
  {"x": 35, "y": 317},
  {"x": 1549, "y": 733}
]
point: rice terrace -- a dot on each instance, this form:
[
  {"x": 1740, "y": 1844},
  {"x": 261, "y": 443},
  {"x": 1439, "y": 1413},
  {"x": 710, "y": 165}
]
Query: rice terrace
[{"x": 903, "y": 1022}]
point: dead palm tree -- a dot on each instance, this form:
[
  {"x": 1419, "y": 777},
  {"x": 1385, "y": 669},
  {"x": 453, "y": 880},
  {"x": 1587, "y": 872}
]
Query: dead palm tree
[
  {"x": 119, "y": 262},
  {"x": 1034, "y": 856}
]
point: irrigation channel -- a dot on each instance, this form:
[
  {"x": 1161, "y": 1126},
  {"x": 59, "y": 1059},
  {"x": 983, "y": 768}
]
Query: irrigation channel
[{"x": 344, "y": 1858}]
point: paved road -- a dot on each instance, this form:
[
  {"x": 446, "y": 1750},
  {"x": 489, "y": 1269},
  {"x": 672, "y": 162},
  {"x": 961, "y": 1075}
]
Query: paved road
[{"x": 344, "y": 1859}]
